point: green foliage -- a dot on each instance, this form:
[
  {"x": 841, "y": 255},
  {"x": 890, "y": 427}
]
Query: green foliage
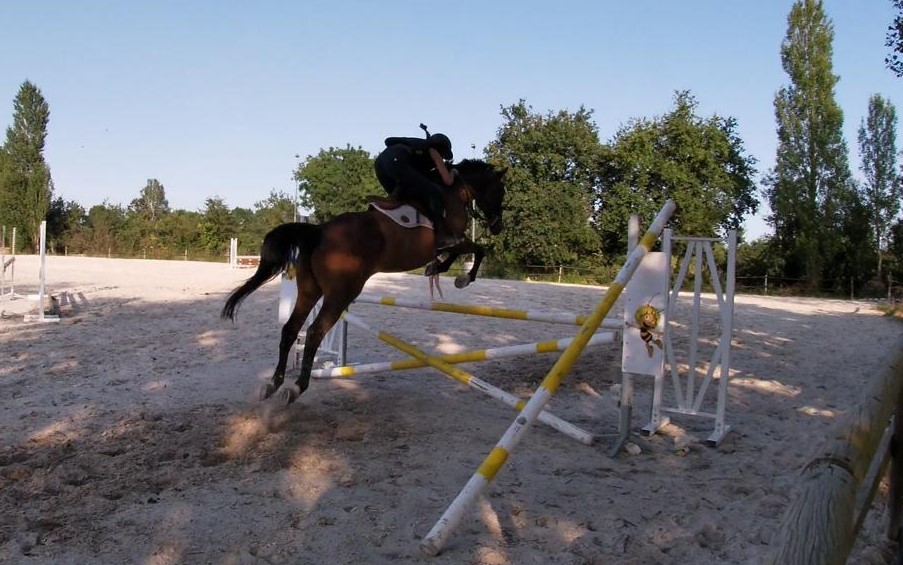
[
  {"x": 336, "y": 181},
  {"x": 277, "y": 208},
  {"x": 894, "y": 42},
  {"x": 551, "y": 179},
  {"x": 145, "y": 216},
  {"x": 64, "y": 220},
  {"x": 104, "y": 224},
  {"x": 26, "y": 187},
  {"x": 177, "y": 233},
  {"x": 216, "y": 226},
  {"x": 810, "y": 189},
  {"x": 882, "y": 190},
  {"x": 699, "y": 163}
]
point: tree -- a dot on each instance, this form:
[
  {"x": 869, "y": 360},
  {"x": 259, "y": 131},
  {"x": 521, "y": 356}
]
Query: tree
[
  {"x": 277, "y": 208},
  {"x": 336, "y": 181},
  {"x": 104, "y": 226},
  {"x": 65, "y": 220},
  {"x": 216, "y": 226},
  {"x": 551, "y": 163},
  {"x": 811, "y": 181},
  {"x": 26, "y": 187},
  {"x": 894, "y": 58},
  {"x": 146, "y": 214},
  {"x": 151, "y": 203},
  {"x": 882, "y": 189},
  {"x": 699, "y": 163},
  {"x": 178, "y": 231}
]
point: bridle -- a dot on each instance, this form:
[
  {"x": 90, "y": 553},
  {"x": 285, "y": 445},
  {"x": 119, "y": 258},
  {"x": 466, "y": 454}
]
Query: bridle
[{"x": 475, "y": 211}]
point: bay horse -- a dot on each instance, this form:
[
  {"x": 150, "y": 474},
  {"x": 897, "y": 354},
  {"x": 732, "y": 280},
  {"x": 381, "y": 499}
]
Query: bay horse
[{"x": 335, "y": 259}]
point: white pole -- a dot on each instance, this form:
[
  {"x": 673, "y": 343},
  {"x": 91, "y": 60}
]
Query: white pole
[
  {"x": 41, "y": 286},
  {"x": 41, "y": 316},
  {"x": 435, "y": 540},
  {"x": 727, "y": 334}
]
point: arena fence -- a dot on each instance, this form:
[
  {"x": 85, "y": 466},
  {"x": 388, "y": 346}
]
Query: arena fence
[{"x": 836, "y": 488}]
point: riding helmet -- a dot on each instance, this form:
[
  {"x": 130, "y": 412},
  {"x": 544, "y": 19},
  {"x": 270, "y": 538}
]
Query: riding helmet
[{"x": 441, "y": 143}]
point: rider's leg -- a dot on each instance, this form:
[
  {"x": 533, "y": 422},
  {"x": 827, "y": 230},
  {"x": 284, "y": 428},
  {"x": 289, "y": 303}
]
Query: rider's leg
[
  {"x": 444, "y": 236},
  {"x": 390, "y": 167},
  {"x": 430, "y": 195}
]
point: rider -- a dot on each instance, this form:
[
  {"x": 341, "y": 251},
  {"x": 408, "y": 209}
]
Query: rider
[{"x": 404, "y": 169}]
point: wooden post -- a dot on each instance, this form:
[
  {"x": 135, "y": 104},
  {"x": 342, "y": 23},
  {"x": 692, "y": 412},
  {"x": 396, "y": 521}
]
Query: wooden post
[
  {"x": 817, "y": 527},
  {"x": 895, "y": 494}
]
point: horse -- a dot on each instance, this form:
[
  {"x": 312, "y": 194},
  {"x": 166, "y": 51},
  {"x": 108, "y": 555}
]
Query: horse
[{"x": 335, "y": 259}]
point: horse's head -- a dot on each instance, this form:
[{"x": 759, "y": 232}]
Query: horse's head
[{"x": 488, "y": 186}]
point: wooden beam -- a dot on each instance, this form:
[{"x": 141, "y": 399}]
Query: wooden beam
[{"x": 816, "y": 528}]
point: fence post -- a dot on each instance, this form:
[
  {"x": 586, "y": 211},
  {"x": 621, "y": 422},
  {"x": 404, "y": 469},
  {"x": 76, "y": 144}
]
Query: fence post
[
  {"x": 766, "y": 284},
  {"x": 895, "y": 492}
]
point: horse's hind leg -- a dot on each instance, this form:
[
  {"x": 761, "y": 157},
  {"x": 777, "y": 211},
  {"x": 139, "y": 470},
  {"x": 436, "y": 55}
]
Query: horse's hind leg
[
  {"x": 332, "y": 309},
  {"x": 308, "y": 294}
]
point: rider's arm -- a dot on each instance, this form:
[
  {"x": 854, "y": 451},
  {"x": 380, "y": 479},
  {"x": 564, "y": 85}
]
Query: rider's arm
[{"x": 447, "y": 177}]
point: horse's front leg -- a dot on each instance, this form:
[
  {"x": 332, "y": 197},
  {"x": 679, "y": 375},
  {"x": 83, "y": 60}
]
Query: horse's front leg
[
  {"x": 463, "y": 280},
  {"x": 437, "y": 267}
]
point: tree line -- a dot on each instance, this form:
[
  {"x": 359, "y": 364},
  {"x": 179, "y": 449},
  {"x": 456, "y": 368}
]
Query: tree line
[
  {"x": 570, "y": 193},
  {"x": 146, "y": 227}
]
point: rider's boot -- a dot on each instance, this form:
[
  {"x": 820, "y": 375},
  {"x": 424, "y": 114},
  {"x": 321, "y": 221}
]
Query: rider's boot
[{"x": 444, "y": 237}]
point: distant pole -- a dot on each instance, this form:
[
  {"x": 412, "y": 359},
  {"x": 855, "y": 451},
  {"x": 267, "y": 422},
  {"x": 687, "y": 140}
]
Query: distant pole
[
  {"x": 473, "y": 222},
  {"x": 295, "y": 215}
]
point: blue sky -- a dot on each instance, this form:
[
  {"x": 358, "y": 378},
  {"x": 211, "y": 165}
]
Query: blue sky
[{"x": 216, "y": 98}]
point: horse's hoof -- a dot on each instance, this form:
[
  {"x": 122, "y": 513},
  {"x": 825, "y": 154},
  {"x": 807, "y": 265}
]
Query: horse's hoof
[
  {"x": 266, "y": 391},
  {"x": 289, "y": 394},
  {"x": 462, "y": 281}
]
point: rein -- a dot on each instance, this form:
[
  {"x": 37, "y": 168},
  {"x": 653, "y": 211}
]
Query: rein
[{"x": 473, "y": 211}]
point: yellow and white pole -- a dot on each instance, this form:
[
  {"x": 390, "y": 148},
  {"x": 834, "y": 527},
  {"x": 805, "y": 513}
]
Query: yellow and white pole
[
  {"x": 488, "y": 311},
  {"x": 547, "y": 418},
  {"x": 435, "y": 540},
  {"x": 548, "y": 346}
]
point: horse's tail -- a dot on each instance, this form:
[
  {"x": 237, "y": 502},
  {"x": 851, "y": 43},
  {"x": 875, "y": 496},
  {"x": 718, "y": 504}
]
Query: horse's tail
[{"x": 281, "y": 248}]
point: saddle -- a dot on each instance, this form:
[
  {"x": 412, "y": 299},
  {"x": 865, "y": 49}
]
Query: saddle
[{"x": 403, "y": 214}]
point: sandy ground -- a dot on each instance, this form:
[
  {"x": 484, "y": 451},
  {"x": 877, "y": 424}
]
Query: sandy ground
[{"x": 130, "y": 431}]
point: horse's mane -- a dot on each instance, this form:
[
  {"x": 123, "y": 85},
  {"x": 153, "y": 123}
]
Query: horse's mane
[{"x": 474, "y": 166}]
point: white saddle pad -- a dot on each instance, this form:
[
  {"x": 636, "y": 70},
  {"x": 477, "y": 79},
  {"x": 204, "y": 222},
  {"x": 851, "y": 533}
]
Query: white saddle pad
[{"x": 405, "y": 216}]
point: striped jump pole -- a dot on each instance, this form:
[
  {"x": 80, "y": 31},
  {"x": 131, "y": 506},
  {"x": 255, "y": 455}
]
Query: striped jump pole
[
  {"x": 547, "y": 418},
  {"x": 548, "y": 346},
  {"x": 489, "y": 311},
  {"x": 435, "y": 540}
]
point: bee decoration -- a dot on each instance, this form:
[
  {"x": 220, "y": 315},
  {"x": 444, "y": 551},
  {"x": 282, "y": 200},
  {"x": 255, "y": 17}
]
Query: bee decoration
[{"x": 647, "y": 318}]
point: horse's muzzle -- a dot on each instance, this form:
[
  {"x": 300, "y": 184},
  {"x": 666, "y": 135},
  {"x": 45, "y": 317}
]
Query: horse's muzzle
[{"x": 495, "y": 225}]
